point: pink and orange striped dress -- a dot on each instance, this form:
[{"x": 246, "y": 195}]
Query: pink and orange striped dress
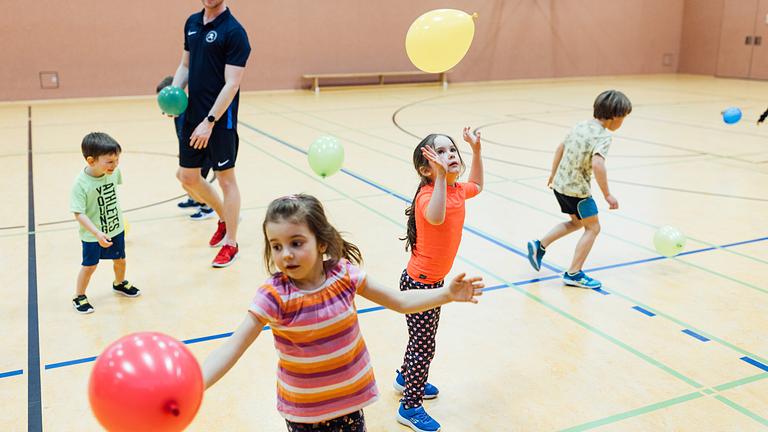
[{"x": 323, "y": 369}]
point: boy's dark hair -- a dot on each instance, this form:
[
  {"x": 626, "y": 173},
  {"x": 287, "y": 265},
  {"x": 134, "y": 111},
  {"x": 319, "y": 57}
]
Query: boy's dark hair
[
  {"x": 96, "y": 144},
  {"x": 611, "y": 104},
  {"x": 306, "y": 209},
  {"x": 164, "y": 83}
]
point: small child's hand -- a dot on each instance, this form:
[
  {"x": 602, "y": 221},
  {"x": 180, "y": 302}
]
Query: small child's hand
[
  {"x": 466, "y": 290},
  {"x": 435, "y": 162},
  {"x": 472, "y": 139},
  {"x": 104, "y": 241},
  {"x": 613, "y": 203},
  {"x": 550, "y": 181}
]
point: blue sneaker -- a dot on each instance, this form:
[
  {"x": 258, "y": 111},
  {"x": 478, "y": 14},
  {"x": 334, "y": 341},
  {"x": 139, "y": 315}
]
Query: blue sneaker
[
  {"x": 535, "y": 254},
  {"x": 189, "y": 203},
  {"x": 430, "y": 391},
  {"x": 417, "y": 419},
  {"x": 581, "y": 280}
]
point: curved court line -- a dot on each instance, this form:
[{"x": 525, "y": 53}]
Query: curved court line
[
  {"x": 549, "y": 151},
  {"x": 499, "y": 242},
  {"x": 470, "y": 229},
  {"x": 519, "y": 117},
  {"x": 693, "y": 154},
  {"x": 563, "y": 313},
  {"x": 502, "y": 244}
]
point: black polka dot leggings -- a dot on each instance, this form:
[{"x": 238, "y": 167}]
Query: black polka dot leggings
[
  {"x": 354, "y": 422},
  {"x": 422, "y": 329}
]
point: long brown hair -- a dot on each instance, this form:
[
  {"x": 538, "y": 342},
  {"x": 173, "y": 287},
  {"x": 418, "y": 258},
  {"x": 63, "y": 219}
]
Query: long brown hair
[
  {"x": 306, "y": 209},
  {"x": 419, "y": 161}
]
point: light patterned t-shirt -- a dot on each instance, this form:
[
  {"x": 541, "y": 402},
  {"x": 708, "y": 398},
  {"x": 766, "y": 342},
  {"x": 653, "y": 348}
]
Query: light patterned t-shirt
[
  {"x": 96, "y": 197},
  {"x": 323, "y": 368},
  {"x": 574, "y": 173}
]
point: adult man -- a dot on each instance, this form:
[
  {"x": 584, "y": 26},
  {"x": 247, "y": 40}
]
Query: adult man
[{"x": 216, "y": 49}]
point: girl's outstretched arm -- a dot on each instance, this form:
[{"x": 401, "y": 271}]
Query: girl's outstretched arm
[
  {"x": 476, "y": 171},
  {"x": 461, "y": 289},
  {"x": 224, "y": 357}
]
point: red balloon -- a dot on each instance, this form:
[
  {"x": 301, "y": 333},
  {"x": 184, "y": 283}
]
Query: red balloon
[{"x": 146, "y": 382}]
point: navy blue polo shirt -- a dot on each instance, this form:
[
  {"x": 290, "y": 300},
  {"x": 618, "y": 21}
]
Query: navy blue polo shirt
[{"x": 212, "y": 46}]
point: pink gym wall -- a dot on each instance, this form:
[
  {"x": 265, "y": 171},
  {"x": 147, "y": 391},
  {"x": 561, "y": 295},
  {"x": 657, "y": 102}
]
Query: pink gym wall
[
  {"x": 700, "y": 36},
  {"x": 108, "y": 48}
]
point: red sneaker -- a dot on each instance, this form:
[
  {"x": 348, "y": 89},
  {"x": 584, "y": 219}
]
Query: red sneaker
[
  {"x": 226, "y": 256},
  {"x": 218, "y": 237}
]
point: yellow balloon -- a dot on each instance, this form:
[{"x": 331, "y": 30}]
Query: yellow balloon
[
  {"x": 439, "y": 39},
  {"x": 127, "y": 226}
]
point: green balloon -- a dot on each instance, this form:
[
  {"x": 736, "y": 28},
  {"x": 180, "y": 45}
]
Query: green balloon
[
  {"x": 326, "y": 156},
  {"x": 172, "y": 100},
  {"x": 669, "y": 241}
]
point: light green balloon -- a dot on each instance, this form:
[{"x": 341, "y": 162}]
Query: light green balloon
[
  {"x": 669, "y": 241},
  {"x": 326, "y": 156}
]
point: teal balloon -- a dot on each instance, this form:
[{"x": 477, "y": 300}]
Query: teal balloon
[
  {"x": 172, "y": 100},
  {"x": 326, "y": 156},
  {"x": 669, "y": 241}
]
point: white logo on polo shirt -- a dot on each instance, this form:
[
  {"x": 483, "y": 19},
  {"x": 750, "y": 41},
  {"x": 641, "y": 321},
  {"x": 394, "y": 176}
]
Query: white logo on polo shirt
[
  {"x": 211, "y": 36},
  {"x": 191, "y": 33}
]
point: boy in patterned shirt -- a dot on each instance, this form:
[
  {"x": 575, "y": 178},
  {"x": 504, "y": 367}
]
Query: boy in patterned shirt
[{"x": 582, "y": 152}]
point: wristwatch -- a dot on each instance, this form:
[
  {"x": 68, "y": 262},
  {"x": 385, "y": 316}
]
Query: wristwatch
[{"x": 211, "y": 119}]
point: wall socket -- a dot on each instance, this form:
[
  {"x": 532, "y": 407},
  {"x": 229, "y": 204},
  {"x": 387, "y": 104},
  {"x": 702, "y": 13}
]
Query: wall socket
[
  {"x": 666, "y": 59},
  {"x": 49, "y": 80}
]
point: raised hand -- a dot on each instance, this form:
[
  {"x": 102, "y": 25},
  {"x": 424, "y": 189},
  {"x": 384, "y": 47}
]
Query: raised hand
[
  {"x": 472, "y": 139},
  {"x": 435, "y": 161}
]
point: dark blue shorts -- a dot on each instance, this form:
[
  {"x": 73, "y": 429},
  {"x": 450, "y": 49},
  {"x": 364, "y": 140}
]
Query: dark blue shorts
[
  {"x": 93, "y": 252},
  {"x": 220, "y": 154},
  {"x": 581, "y": 207}
]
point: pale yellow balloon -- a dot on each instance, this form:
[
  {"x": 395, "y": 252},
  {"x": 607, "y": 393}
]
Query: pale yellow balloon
[
  {"x": 439, "y": 39},
  {"x": 127, "y": 226}
]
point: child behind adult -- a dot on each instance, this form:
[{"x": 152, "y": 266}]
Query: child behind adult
[
  {"x": 94, "y": 201},
  {"x": 192, "y": 201},
  {"x": 435, "y": 224},
  {"x": 324, "y": 374},
  {"x": 581, "y": 153}
]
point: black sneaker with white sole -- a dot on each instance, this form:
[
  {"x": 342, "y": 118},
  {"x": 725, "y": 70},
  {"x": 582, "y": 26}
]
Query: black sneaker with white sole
[
  {"x": 125, "y": 288},
  {"x": 82, "y": 305}
]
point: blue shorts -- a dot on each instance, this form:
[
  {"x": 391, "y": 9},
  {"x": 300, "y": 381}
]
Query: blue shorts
[
  {"x": 93, "y": 252},
  {"x": 581, "y": 207}
]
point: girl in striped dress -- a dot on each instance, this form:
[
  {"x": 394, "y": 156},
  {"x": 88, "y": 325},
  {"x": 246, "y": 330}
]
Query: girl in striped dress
[{"x": 324, "y": 374}]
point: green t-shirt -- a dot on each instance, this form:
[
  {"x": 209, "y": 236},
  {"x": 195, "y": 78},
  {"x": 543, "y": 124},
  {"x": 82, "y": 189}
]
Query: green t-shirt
[
  {"x": 96, "y": 197},
  {"x": 574, "y": 173}
]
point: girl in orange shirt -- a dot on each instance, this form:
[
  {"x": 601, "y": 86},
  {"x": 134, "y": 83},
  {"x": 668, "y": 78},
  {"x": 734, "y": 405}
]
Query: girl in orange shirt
[{"x": 437, "y": 215}]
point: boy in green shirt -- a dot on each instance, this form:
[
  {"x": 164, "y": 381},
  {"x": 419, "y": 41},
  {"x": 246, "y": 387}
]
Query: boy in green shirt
[{"x": 96, "y": 207}]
